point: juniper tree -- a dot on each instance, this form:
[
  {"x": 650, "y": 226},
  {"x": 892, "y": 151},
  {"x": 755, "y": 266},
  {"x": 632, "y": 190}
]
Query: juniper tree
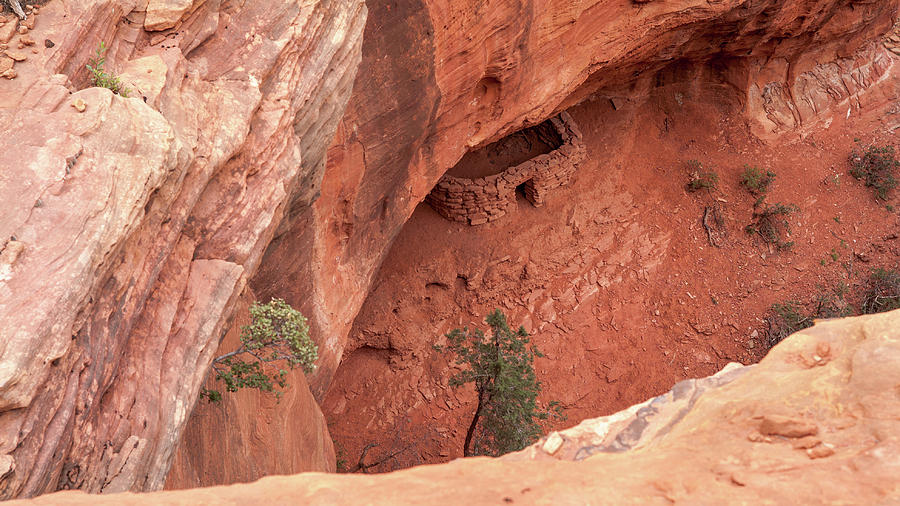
[
  {"x": 502, "y": 369},
  {"x": 277, "y": 337}
]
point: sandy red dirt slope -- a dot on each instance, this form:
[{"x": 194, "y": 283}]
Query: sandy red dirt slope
[{"x": 615, "y": 276}]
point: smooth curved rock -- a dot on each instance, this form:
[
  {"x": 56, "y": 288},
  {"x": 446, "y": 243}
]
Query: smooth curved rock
[{"x": 817, "y": 421}]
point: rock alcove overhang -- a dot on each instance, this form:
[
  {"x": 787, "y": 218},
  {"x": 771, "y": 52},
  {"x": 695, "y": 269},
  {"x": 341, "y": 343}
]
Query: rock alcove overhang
[{"x": 537, "y": 160}]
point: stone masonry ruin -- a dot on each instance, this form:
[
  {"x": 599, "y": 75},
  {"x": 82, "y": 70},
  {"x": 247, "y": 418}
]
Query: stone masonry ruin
[{"x": 482, "y": 186}]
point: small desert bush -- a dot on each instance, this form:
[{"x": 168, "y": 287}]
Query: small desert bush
[
  {"x": 755, "y": 180},
  {"x": 700, "y": 178},
  {"x": 784, "y": 319},
  {"x": 771, "y": 224},
  {"x": 100, "y": 77},
  {"x": 877, "y": 167},
  {"x": 833, "y": 303},
  {"x": 276, "y": 340},
  {"x": 881, "y": 291}
]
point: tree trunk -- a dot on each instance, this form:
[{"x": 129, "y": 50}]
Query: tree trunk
[
  {"x": 17, "y": 8},
  {"x": 467, "y": 451}
]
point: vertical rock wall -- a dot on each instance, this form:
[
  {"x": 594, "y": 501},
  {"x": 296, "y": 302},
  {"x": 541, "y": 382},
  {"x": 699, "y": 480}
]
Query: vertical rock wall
[{"x": 129, "y": 226}]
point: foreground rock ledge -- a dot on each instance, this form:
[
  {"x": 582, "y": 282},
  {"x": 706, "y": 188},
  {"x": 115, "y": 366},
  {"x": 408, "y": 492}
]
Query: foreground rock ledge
[{"x": 818, "y": 420}]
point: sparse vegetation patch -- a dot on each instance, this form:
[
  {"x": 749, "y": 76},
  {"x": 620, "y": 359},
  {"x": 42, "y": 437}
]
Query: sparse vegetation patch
[
  {"x": 701, "y": 178},
  {"x": 100, "y": 77},
  {"x": 877, "y": 167},
  {"x": 877, "y": 294},
  {"x": 784, "y": 319},
  {"x": 755, "y": 180},
  {"x": 881, "y": 291},
  {"x": 772, "y": 226}
]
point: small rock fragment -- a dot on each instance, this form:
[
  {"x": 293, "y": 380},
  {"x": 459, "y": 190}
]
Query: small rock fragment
[
  {"x": 48, "y": 43},
  {"x": 7, "y": 465},
  {"x": 805, "y": 443},
  {"x": 739, "y": 478},
  {"x": 79, "y": 105},
  {"x": 756, "y": 437},
  {"x": 553, "y": 443},
  {"x": 9, "y": 74},
  {"x": 820, "y": 451},
  {"x": 15, "y": 56},
  {"x": 11, "y": 252},
  {"x": 777, "y": 425},
  {"x": 22, "y": 30},
  {"x": 7, "y": 31},
  {"x": 26, "y": 40}
]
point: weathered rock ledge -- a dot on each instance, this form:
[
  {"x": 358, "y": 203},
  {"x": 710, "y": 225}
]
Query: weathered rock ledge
[{"x": 817, "y": 421}]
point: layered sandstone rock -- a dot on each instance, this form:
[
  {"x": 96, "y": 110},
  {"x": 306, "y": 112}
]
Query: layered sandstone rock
[
  {"x": 817, "y": 421},
  {"x": 441, "y": 77},
  {"x": 129, "y": 226}
]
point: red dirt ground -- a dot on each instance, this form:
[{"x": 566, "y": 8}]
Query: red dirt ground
[{"x": 615, "y": 276}]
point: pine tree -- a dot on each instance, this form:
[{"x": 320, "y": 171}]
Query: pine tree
[
  {"x": 502, "y": 369},
  {"x": 277, "y": 336}
]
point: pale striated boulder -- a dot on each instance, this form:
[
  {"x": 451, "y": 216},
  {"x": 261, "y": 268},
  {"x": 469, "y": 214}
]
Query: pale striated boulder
[
  {"x": 817, "y": 421},
  {"x": 129, "y": 226},
  {"x": 164, "y": 14}
]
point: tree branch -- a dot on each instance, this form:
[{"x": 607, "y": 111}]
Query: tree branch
[{"x": 17, "y": 8}]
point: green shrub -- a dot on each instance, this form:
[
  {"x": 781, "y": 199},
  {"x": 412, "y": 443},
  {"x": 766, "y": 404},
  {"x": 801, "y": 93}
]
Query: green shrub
[
  {"x": 755, "y": 180},
  {"x": 101, "y": 78},
  {"x": 876, "y": 166},
  {"x": 771, "y": 224},
  {"x": 881, "y": 292},
  {"x": 502, "y": 369},
  {"x": 784, "y": 319},
  {"x": 700, "y": 178},
  {"x": 833, "y": 303},
  {"x": 278, "y": 335}
]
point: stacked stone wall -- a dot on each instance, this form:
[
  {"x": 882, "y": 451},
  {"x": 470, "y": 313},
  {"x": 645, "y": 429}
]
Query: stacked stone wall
[{"x": 480, "y": 200}]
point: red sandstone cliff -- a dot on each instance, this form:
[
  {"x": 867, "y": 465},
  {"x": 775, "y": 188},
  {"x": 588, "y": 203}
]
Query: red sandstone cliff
[
  {"x": 130, "y": 225},
  {"x": 131, "y": 251},
  {"x": 440, "y": 77}
]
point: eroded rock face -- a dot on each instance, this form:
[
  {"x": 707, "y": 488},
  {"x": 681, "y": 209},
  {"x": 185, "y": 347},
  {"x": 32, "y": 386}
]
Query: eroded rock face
[
  {"x": 250, "y": 434},
  {"x": 817, "y": 421},
  {"x": 440, "y": 77},
  {"x": 129, "y": 226}
]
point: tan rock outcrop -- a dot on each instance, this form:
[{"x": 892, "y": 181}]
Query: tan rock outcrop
[
  {"x": 817, "y": 421},
  {"x": 129, "y": 226}
]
